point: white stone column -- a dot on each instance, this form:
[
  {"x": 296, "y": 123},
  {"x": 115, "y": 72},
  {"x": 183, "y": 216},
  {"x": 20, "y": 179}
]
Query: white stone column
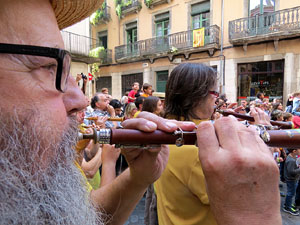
[
  {"x": 231, "y": 80},
  {"x": 289, "y": 75},
  {"x": 116, "y": 85},
  {"x": 147, "y": 78}
]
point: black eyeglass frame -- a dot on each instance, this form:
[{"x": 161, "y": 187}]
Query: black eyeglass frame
[{"x": 56, "y": 53}]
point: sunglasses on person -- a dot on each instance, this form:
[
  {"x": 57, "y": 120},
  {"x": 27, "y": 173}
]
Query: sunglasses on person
[{"x": 215, "y": 93}]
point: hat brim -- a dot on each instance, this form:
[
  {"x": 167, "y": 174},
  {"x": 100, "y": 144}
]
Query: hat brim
[{"x": 69, "y": 12}]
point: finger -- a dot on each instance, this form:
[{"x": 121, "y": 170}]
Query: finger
[
  {"x": 255, "y": 115},
  {"x": 227, "y": 133},
  {"x": 162, "y": 124},
  {"x": 140, "y": 124},
  {"x": 207, "y": 140},
  {"x": 167, "y": 125},
  {"x": 238, "y": 108}
]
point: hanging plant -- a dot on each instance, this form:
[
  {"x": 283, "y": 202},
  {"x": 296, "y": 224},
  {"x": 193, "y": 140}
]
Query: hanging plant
[
  {"x": 96, "y": 52},
  {"x": 148, "y": 3},
  {"x": 98, "y": 15},
  {"x": 119, "y": 11}
]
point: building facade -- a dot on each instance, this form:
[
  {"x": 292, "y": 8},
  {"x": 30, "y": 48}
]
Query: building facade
[{"x": 253, "y": 44}]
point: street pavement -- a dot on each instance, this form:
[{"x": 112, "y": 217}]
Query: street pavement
[{"x": 137, "y": 217}]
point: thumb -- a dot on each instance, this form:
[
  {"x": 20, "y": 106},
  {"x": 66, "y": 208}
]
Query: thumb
[{"x": 207, "y": 141}]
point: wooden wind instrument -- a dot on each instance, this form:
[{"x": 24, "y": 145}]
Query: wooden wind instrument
[
  {"x": 120, "y": 119},
  {"x": 138, "y": 139},
  {"x": 279, "y": 124}
]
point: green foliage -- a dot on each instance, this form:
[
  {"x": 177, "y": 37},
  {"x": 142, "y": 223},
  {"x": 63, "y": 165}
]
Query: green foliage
[
  {"x": 98, "y": 15},
  {"x": 119, "y": 11},
  {"x": 95, "y": 68},
  {"x": 96, "y": 52},
  {"x": 173, "y": 50},
  {"x": 148, "y": 3}
]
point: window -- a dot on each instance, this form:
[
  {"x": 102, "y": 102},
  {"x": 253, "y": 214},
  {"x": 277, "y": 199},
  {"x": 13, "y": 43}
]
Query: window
[
  {"x": 257, "y": 7},
  {"x": 162, "y": 25},
  {"x": 161, "y": 80},
  {"x": 131, "y": 37},
  {"x": 266, "y": 77},
  {"x": 128, "y": 80},
  {"x": 102, "y": 38},
  {"x": 200, "y": 15},
  {"x": 103, "y": 82},
  {"x": 131, "y": 33}
]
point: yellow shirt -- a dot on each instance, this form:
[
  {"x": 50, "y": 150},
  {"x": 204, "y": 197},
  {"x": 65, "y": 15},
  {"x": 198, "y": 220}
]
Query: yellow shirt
[
  {"x": 145, "y": 95},
  {"x": 181, "y": 191},
  {"x": 136, "y": 114}
]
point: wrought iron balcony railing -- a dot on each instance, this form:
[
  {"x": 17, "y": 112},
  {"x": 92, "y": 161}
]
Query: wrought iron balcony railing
[
  {"x": 281, "y": 23},
  {"x": 80, "y": 46},
  {"x": 106, "y": 56},
  {"x": 178, "y": 43},
  {"x": 104, "y": 14},
  {"x": 131, "y": 6}
]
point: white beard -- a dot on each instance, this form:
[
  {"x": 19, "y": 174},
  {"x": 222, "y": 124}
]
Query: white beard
[{"x": 32, "y": 192}]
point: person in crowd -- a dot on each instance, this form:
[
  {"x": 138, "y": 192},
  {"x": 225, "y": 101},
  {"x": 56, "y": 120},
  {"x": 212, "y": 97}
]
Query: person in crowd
[
  {"x": 296, "y": 104},
  {"x": 124, "y": 99},
  {"x": 40, "y": 183},
  {"x": 130, "y": 111},
  {"x": 132, "y": 94},
  {"x": 259, "y": 97},
  {"x": 153, "y": 104},
  {"x": 139, "y": 105},
  {"x": 182, "y": 191},
  {"x": 289, "y": 101},
  {"x": 100, "y": 104},
  {"x": 104, "y": 91},
  {"x": 147, "y": 90},
  {"x": 116, "y": 104},
  {"x": 287, "y": 117},
  {"x": 292, "y": 174}
]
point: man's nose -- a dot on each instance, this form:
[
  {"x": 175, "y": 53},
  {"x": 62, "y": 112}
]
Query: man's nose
[{"x": 73, "y": 98}]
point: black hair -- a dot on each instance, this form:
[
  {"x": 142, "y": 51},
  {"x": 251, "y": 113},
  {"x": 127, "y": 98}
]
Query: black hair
[
  {"x": 115, "y": 103},
  {"x": 139, "y": 100},
  {"x": 94, "y": 100},
  {"x": 259, "y": 94}
]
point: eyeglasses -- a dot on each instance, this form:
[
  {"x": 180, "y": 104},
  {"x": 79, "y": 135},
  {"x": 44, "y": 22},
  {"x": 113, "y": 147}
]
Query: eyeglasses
[
  {"x": 215, "y": 93},
  {"x": 62, "y": 57}
]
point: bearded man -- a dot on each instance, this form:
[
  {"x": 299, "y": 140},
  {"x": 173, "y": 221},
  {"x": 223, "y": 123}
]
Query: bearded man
[{"x": 39, "y": 181}]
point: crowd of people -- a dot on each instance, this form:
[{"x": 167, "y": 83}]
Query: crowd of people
[
  {"x": 49, "y": 177},
  {"x": 180, "y": 104}
]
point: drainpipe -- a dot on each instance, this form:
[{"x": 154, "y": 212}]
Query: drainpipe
[{"x": 222, "y": 57}]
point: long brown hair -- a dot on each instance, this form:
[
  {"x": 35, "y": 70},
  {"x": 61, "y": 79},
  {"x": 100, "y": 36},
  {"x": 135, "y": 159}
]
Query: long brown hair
[
  {"x": 150, "y": 104},
  {"x": 188, "y": 85}
]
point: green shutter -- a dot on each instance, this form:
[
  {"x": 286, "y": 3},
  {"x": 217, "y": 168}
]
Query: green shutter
[
  {"x": 200, "y": 8},
  {"x": 161, "y": 80}
]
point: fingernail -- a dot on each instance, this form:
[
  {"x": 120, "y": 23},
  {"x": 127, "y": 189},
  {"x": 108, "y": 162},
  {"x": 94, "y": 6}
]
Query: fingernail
[{"x": 171, "y": 125}]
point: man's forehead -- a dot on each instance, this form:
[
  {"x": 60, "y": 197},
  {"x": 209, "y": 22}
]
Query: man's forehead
[{"x": 39, "y": 28}]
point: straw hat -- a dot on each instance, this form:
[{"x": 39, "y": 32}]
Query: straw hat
[{"x": 69, "y": 12}]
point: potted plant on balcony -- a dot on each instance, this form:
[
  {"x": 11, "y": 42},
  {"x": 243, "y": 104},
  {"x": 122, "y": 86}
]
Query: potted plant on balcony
[{"x": 98, "y": 15}]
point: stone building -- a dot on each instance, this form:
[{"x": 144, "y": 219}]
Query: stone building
[{"x": 253, "y": 44}]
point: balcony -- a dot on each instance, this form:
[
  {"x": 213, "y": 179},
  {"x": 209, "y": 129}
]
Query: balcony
[
  {"x": 151, "y": 3},
  {"x": 270, "y": 26},
  {"x": 80, "y": 47},
  {"x": 174, "y": 44},
  {"x": 131, "y": 6},
  {"x": 101, "y": 16}
]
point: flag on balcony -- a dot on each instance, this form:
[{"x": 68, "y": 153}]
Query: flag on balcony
[
  {"x": 198, "y": 37},
  {"x": 90, "y": 76}
]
